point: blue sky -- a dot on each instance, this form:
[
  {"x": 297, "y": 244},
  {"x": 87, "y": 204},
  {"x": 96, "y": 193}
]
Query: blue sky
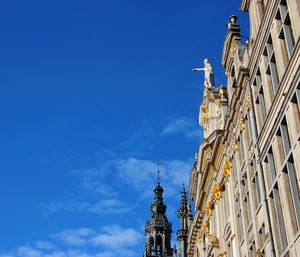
[{"x": 92, "y": 94}]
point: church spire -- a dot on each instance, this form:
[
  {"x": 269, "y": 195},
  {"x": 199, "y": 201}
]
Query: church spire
[
  {"x": 183, "y": 214},
  {"x": 158, "y": 229}
]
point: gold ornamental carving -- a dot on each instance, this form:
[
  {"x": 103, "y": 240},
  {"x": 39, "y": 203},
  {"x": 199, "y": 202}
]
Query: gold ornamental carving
[
  {"x": 222, "y": 254},
  {"x": 209, "y": 208},
  {"x": 242, "y": 124},
  {"x": 235, "y": 146},
  {"x": 205, "y": 227},
  {"x": 217, "y": 191},
  {"x": 204, "y": 114},
  {"x": 248, "y": 103},
  {"x": 259, "y": 252},
  {"x": 213, "y": 239},
  {"x": 227, "y": 167}
]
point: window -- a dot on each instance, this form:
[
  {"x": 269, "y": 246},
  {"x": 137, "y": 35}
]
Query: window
[
  {"x": 278, "y": 222},
  {"x": 249, "y": 125},
  {"x": 271, "y": 66},
  {"x": 241, "y": 151},
  {"x": 234, "y": 160},
  {"x": 246, "y": 200},
  {"x": 159, "y": 245},
  {"x": 293, "y": 116},
  {"x": 285, "y": 27},
  {"x": 239, "y": 219},
  {"x": 284, "y": 133},
  {"x": 260, "y": 100},
  {"x": 294, "y": 188},
  {"x": 271, "y": 165},
  {"x": 256, "y": 190},
  {"x": 261, "y": 235},
  {"x": 226, "y": 205},
  {"x": 252, "y": 250}
]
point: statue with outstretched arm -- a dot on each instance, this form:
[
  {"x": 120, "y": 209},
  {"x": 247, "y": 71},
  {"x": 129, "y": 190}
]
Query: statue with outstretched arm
[{"x": 209, "y": 74}]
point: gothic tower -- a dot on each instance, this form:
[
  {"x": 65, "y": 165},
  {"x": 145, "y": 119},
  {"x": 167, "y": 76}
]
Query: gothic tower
[
  {"x": 185, "y": 217},
  {"x": 158, "y": 229}
]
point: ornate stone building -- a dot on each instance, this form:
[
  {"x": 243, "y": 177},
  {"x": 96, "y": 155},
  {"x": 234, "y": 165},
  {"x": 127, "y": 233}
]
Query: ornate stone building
[{"x": 246, "y": 177}]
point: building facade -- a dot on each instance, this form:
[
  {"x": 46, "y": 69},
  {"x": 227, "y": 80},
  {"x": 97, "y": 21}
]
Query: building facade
[{"x": 246, "y": 177}]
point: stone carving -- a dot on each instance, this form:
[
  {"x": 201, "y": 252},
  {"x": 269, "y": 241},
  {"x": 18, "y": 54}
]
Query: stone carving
[
  {"x": 248, "y": 103},
  {"x": 242, "y": 124},
  {"x": 209, "y": 82},
  {"x": 232, "y": 21},
  {"x": 204, "y": 110},
  {"x": 205, "y": 227},
  {"x": 227, "y": 168},
  {"x": 209, "y": 208},
  {"x": 235, "y": 146},
  {"x": 213, "y": 239},
  {"x": 217, "y": 191}
]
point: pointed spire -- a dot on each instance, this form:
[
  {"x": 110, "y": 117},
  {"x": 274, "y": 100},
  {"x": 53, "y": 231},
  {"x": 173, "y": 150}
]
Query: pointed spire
[
  {"x": 158, "y": 171},
  {"x": 183, "y": 199}
]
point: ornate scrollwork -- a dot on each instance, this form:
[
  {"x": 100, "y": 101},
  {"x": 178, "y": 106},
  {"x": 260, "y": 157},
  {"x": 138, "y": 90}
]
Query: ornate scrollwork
[
  {"x": 209, "y": 208},
  {"x": 226, "y": 167},
  {"x": 242, "y": 124},
  {"x": 235, "y": 145},
  {"x": 204, "y": 114},
  {"x": 205, "y": 227},
  {"x": 217, "y": 191},
  {"x": 248, "y": 103},
  {"x": 213, "y": 239}
]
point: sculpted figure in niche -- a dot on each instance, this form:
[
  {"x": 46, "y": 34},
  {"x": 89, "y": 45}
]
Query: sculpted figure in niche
[{"x": 209, "y": 74}]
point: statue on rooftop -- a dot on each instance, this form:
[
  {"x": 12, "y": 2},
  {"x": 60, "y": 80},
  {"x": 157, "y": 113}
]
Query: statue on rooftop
[{"x": 209, "y": 82}]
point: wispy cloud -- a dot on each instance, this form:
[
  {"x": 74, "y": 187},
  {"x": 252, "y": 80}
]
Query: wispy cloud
[
  {"x": 75, "y": 237},
  {"x": 44, "y": 245},
  {"x": 141, "y": 174},
  {"x": 182, "y": 125},
  {"x": 104, "y": 207}
]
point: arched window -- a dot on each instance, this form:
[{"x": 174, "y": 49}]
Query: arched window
[
  {"x": 159, "y": 245},
  {"x": 151, "y": 244}
]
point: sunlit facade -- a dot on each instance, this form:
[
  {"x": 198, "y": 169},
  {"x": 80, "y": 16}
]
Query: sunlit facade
[{"x": 246, "y": 177}]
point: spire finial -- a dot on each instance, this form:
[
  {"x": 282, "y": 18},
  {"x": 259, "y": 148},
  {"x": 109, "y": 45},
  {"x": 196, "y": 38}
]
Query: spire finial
[{"x": 158, "y": 171}]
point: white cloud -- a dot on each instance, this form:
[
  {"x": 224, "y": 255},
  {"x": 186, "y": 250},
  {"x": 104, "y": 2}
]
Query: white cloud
[
  {"x": 185, "y": 126},
  {"x": 115, "y": 237},
  {"x": 75, "y": 237},
  {"x": 112, "y": 237},
  {"x": 109, "y": 206}
]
